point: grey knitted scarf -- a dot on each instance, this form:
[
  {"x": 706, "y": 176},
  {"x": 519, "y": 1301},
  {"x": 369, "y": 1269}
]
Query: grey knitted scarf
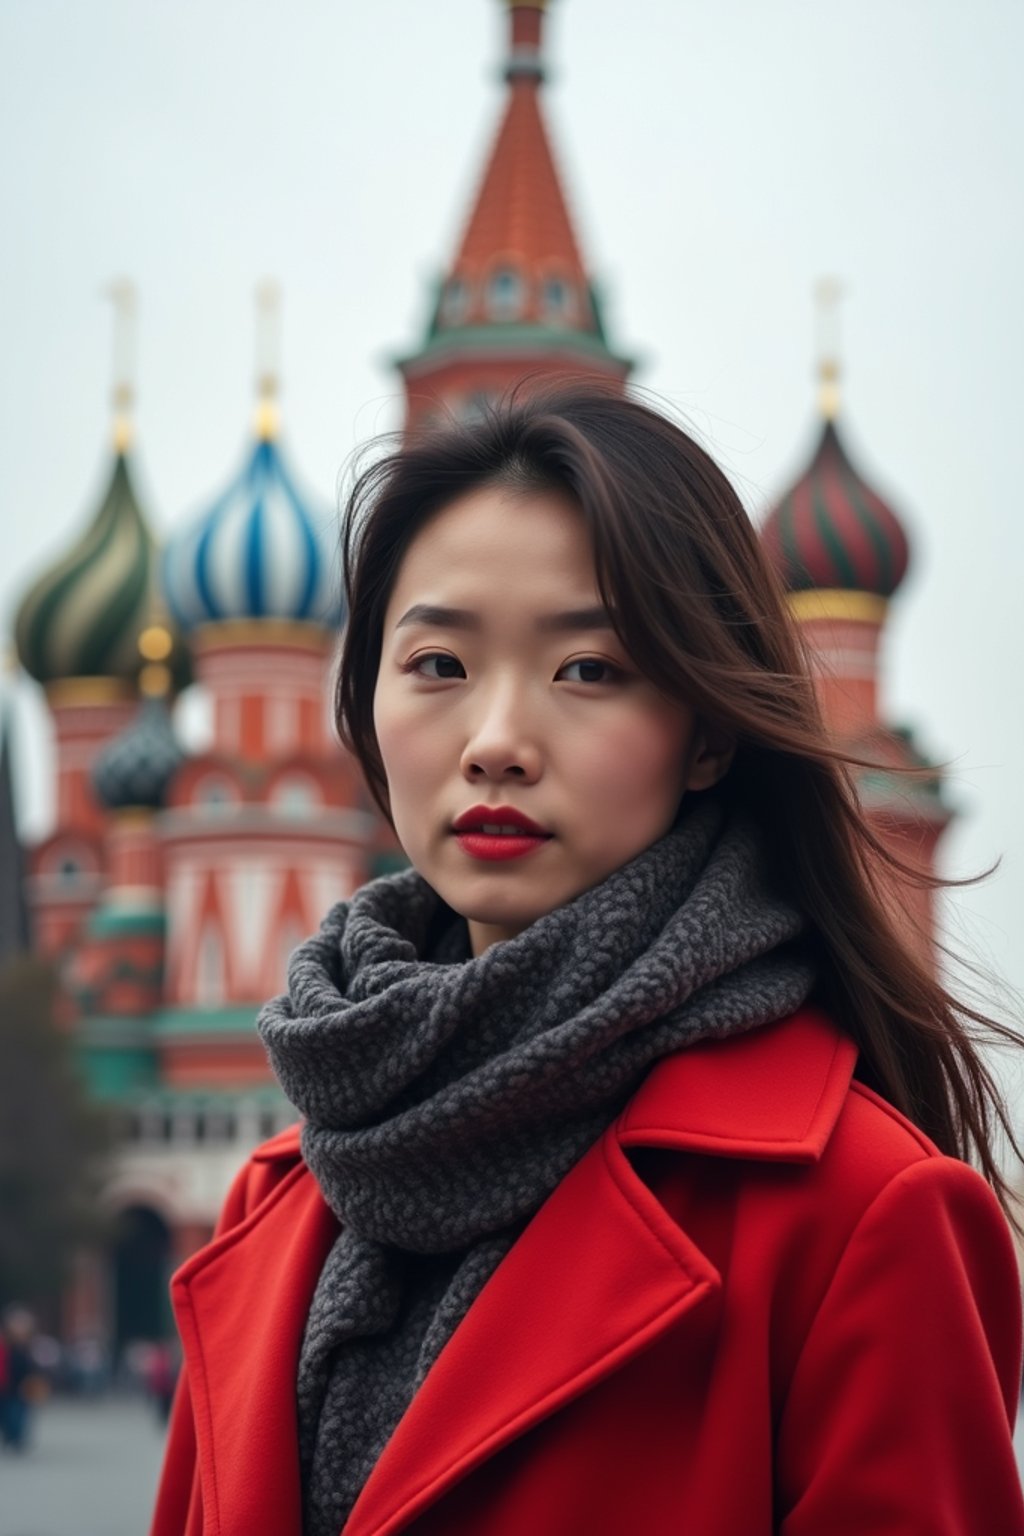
[{"x": 445, "y": 1096}]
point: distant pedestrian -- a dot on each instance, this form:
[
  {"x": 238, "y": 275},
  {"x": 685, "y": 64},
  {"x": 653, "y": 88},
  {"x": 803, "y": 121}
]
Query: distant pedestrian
[
  {"x": 161, "y": 1375},
  {"x": 19, "y": 1377}
]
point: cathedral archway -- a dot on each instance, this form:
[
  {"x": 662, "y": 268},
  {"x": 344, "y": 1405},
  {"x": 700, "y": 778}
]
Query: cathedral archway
[{"x": 141, "y": 1266}]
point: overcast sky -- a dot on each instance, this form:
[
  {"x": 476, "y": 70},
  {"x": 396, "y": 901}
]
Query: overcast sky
[{"x": 720, "y": 155}]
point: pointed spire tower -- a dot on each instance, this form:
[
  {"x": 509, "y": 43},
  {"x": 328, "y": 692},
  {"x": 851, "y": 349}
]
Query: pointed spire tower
[
  {"x": 842, "y": 553},
  {"x": 517, "y": 299}
]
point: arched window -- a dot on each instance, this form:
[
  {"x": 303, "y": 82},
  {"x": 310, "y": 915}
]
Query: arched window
[
  {"x": 295, "y": 794},
  {"x": 69, "y": 864},
  {"x": 215, "y": 791},
  {"x": 455, "y": 301},
  {"x": 558, "y": 299},
  {"x": 504, "y": 294}
]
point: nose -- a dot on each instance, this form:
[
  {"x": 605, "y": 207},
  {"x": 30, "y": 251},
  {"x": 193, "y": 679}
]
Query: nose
[{"x": 500, "y": 745}]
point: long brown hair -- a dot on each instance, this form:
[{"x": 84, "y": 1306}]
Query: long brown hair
[{"x": 702, "y": 614}]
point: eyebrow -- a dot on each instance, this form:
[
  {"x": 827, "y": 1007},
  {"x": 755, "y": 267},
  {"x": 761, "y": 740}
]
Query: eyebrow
[{"x": 572, "y": 619}]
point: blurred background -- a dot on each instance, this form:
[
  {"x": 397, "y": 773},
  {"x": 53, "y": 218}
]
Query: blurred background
[{"x": 241, "y": 241}]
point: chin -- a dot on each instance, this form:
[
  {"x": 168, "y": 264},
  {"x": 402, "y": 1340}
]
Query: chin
[
  {"x": 500, "y": 910},
  {"x": 509, "y": 912}
]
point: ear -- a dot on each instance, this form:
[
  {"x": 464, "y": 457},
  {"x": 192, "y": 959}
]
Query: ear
[{"x": 711, "y": 753}]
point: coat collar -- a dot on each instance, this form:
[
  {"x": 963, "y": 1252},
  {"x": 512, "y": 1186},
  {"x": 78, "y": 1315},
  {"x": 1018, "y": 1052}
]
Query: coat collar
[
  {"x": 614, "y": 1270},
  {"x": 773, "y": 1094}
]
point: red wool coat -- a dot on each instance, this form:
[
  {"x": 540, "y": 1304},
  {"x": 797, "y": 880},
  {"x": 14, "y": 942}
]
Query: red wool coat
[{"x": 762, "y": 1302}]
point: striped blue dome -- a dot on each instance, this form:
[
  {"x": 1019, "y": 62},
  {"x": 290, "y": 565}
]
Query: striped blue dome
[{"x": 262, "y": 551}]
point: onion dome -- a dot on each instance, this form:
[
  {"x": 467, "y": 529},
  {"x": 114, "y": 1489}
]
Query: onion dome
[
  {"x": 261, "y": 551},
  {"x": 81, "y": 618},
  {"x": 264, "y": 549},
  {"x": 831, "y": 530},
  {"x": 134, "y": 770}
]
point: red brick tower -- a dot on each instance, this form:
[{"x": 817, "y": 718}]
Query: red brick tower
[{"x": 517, "y": 300}]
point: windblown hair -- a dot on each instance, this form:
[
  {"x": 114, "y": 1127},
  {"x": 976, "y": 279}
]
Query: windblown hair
[{"x": 703, "y": 616}]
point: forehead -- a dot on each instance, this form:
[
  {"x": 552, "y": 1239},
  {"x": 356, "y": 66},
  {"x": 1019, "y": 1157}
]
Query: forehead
[{"x": 499, "y": 541}]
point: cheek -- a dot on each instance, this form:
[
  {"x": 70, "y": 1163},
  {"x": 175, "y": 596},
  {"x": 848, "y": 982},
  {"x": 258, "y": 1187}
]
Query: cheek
[
  {"x": 635, "y": 764},
  {"x": 409, "y": 745}
]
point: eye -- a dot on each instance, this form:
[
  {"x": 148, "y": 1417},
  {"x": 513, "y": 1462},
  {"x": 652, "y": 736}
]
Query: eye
[
  {"x": 437, "y": 665},
  {"x": 592, "y": 670}
]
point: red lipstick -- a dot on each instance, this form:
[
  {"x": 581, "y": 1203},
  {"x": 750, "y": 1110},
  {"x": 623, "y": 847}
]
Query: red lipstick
[{"x": 494, "y": 832}]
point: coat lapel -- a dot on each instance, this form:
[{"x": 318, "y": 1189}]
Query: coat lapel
[
  {"x": 598, "y": 1273},
  {"x": 241, "y": 1305},
  {"x": 602, "y": 1269}
]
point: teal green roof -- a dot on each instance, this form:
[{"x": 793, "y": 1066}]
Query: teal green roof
[
  {"x": 115, "y": 1074},
  {"x": 107, "y": 922},
  {"x": 83, "y": 616},
  {"x": 173, "y": 1022},
  {"x": 512, "y": 336}
]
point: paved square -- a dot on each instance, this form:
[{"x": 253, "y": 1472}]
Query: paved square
[{"x": 90, "y": 1470}]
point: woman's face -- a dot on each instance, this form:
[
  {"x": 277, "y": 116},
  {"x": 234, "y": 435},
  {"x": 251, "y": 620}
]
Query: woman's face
[{"x": 502, "y": 687}]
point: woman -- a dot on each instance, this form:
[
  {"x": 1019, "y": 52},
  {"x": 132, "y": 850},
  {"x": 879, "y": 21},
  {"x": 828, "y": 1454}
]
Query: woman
[{"x": 631, "y": 1193}]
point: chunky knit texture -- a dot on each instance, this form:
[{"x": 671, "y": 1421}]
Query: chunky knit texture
[{"x": 445, "y": 1096}]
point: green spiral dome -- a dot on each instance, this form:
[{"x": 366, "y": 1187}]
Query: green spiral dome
[{"x": 83, "y": 616}]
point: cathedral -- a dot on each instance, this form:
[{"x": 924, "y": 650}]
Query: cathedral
[{"x": 174, "y": 884}]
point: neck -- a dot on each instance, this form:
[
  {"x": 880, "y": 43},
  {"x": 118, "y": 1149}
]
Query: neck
[{"x": 483, "y": 935}]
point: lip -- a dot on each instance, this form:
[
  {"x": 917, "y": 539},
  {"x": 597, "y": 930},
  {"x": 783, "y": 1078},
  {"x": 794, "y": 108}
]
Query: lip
[
  {"x": 477, "y": 816},
  {"x": 493, "y": 847}
]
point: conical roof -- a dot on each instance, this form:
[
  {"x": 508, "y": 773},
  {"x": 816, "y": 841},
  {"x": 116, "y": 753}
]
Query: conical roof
[
  {"x": 83, "y": 615},
  {"x": 833, "y": 530},
  {"x": 519, "y": 224},
  {"x": 518, "y": 266}
]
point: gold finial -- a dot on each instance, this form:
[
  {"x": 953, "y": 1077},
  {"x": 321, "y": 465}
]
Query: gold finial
[
  {"x": 828, "y": 292},
  {"x": 268, "y": 357},
  {"x": 155, "y": 645},
  {"x": 155, "y": 680},
  {"x": 124, "y": 296}
]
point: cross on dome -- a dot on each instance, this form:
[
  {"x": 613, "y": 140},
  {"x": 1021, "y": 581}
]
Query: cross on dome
[
  {"x": 828, "y": 291},
  {"x": 124, "y": 296},
  {"x": 268, "y": 358}
]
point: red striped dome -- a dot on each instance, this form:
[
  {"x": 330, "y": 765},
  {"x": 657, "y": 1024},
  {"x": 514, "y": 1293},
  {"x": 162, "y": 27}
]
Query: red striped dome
[{"x": 832, "y": 530}]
